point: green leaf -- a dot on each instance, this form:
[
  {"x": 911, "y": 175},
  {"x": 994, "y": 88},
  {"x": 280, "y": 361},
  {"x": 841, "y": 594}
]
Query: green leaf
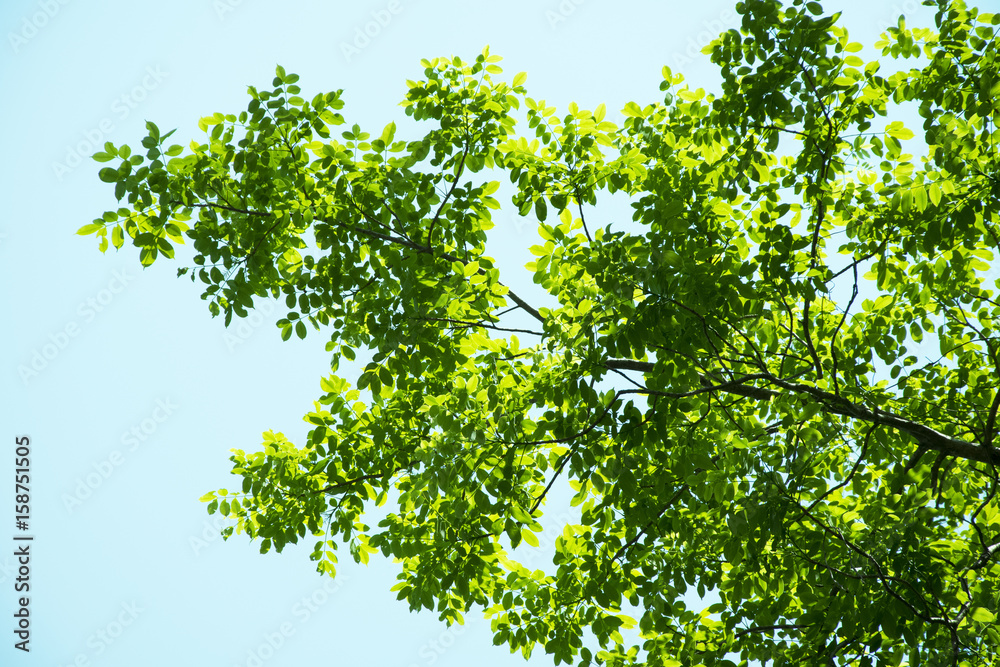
[
  {"x": 897, "y": 130},
  {"x": 757, "y": 322},
  {"x": 934, "y": 193},
  {"x": 983, "y": 615},
  {"x": 89, "y": 229},
  {"x": 388, "y": 133},
  {"x": 540, "y": 209},
  {"x": 632, "y": 110}
]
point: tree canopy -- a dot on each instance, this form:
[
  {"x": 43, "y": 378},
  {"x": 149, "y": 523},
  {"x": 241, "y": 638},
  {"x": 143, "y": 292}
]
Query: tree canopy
[{"x": 777, "y": 388}]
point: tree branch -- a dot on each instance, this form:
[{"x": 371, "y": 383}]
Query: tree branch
[{"x": 833, "y": 404}]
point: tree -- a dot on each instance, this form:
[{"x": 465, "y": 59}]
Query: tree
[{"x": 735, "y": 396}]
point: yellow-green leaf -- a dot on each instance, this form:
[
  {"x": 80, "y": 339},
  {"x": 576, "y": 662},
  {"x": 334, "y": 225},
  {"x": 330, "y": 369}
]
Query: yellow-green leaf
[{"x": 983, "y": 615}]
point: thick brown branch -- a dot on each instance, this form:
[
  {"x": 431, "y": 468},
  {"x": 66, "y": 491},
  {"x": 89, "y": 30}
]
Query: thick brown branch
[
  {"x": 833, "y": 404},
  {"x": 924, "y": 435},
  {"x": 988, "y": 554}
]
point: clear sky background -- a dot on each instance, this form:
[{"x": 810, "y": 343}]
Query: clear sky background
[{"x": 132, "y": 395}]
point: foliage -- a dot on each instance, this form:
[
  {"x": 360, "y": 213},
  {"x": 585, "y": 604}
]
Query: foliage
[{"x": 739, "y": 395}]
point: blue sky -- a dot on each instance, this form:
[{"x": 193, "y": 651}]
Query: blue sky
[{"x": 132, "y": 395}]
